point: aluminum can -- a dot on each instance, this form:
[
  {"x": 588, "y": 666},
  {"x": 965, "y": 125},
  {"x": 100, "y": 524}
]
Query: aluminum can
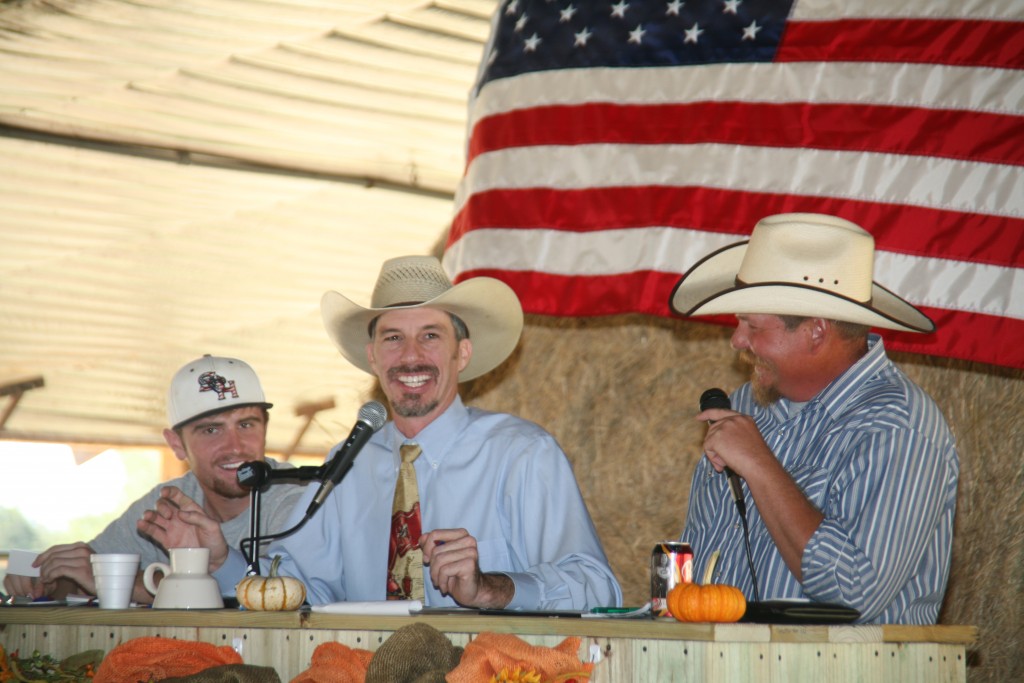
[{"x": 671, "y": 564}]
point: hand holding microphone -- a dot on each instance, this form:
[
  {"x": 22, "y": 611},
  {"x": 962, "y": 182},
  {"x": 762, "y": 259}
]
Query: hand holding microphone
[{"x": 716, "y": 398}]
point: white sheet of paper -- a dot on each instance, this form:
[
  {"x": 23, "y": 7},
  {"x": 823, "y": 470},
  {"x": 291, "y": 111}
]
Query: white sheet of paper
[
  {"x": 19, "y": 562},
  {"x": 378, "y": 607}
]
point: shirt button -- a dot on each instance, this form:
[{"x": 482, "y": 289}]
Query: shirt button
[{"x": 433, "y": 465}]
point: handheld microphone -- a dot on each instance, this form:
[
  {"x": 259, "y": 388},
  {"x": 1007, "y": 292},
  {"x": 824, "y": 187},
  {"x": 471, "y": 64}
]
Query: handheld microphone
[
  {"x": 716, "y": 398},
  {"x": 256, "y": 473},
  {"x": 372, "y": 417}
]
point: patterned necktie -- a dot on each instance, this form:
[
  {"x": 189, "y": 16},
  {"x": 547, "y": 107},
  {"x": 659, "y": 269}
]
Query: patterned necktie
[{"x": 405, "y": 559}]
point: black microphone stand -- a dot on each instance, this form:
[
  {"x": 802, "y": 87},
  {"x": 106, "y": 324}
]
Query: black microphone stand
[
  {"x": 307, "y": 473},
  {"x": 254, "y": 532}
]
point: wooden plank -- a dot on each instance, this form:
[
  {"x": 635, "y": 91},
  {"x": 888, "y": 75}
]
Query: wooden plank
[
  {"x": 474, "y": 623},
  {"x": 855, "y": 634},
  {"x": 140, "y": 616},
  {"x": 904, "y": 633}
]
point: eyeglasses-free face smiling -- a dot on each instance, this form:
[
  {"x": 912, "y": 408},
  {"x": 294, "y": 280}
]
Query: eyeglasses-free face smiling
[{"x": 417, "y": 357}]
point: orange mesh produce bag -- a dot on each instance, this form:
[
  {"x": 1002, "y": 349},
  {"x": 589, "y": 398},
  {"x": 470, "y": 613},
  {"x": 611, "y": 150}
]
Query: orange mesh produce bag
[
  {"x": 336, "y": 663},
  {"x": 489, "y": 654},
  {"x": 153, "y": 659}
]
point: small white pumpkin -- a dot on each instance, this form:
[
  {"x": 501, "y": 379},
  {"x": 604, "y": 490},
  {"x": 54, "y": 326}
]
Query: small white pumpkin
[{"x": 271, "y": 593}]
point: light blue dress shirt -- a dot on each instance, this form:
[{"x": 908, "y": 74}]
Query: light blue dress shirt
[
  {"x": 873, "y": 452},
  {"x": 503, "y": 479}
]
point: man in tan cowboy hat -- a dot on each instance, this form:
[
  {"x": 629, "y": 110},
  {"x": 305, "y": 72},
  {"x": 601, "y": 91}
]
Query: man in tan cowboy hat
[
  {"x": 503, "y": 522},
  {"x": 848, "y": 469}
]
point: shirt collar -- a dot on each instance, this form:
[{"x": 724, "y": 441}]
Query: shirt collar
[
  {"x": 435, "y": 438},
  {"x": 834, "y": 397}
]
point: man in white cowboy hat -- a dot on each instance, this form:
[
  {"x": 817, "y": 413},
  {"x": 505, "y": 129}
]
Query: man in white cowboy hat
[
  {"x": 218, "y": 417},
  {"x": 849, "y": 469},
  {"x": 504, "y": 524}
]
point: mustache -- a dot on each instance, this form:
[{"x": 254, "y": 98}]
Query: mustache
[{"x": 394, "y": 372}]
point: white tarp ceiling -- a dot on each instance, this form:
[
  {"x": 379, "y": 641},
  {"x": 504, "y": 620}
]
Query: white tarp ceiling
[{"x": 180, "y": 177}]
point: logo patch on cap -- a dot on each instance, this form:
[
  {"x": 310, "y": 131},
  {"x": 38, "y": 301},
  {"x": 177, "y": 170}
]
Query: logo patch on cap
[
  {"x": 211, "y": 381},
  {"x": 216, "y": 391}
]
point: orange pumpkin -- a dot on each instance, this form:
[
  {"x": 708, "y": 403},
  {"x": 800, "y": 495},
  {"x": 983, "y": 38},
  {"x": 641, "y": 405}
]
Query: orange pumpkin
[
  {"x": 271, "y": 593},
  {"x": 713, "y": 602}
]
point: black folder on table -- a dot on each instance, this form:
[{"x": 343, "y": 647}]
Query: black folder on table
[{"x": 798, "y": 612}]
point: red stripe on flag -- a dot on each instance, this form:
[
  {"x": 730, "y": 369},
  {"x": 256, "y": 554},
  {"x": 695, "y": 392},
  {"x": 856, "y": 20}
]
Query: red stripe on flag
[
  {"x": 961, "y": 335},
  {"x": 913, "y": 230},
  {"x": 955, "y": 42},
  {"x": 956, "y": 134},
  {"x": 542, "y": 293}
]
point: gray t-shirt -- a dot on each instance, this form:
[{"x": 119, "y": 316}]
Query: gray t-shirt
[{"x": 121, "y": 535}]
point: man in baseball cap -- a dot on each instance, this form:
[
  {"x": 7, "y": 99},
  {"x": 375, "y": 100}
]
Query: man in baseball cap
[
  {"x": 503, "y": 522},
  {"x": 218, "y": 417},
  {"x": 848, "y": 470}
]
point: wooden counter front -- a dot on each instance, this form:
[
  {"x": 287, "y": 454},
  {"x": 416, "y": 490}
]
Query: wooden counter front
[{"x": 629, "y": 650}]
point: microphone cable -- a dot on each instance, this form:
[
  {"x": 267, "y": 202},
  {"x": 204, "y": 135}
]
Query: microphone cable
[
  {"x": 716, "y": 398},
  {"x": 251, "y": 554}
]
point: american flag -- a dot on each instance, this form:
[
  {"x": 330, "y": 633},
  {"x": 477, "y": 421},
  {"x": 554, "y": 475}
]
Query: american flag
[{"x": 612, "y": 145}]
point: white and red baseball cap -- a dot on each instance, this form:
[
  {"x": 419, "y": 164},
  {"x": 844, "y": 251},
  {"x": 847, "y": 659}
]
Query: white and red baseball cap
[{"x": 212, "y": 384}]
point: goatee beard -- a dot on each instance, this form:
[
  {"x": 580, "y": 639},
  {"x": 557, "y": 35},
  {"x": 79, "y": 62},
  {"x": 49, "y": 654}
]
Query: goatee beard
[
  {"x": 411, "y": 405},
  {"x": 764, "y": 394}
]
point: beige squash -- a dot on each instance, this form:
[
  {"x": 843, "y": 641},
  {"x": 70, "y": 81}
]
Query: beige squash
[{"x": 271, "y": 593}]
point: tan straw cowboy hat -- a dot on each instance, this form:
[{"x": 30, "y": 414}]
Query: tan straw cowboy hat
[
  {"x": 803, "y": 264},
  {"x": 489, "y": 307}
]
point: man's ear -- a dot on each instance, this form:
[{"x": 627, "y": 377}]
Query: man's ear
[
  {"x": 370, "y": 357},
  {"x": 465, "y": 353},
  {"x": 818, "y": 330},
  {"x": 174, "y": 441}
]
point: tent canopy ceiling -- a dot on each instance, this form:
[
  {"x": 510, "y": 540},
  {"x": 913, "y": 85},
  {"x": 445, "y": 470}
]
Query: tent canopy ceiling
[{"x": 189, "y": 176}]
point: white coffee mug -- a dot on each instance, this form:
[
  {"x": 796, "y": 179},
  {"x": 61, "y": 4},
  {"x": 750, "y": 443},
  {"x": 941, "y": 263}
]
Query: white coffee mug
[{"x": 186, "y": 582}]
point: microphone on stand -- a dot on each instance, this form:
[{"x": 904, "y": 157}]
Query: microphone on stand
[
  {"x": 716, "y": 398},
  {"x": 256, "y": 473},
  {"x": 372, "y": 417}
]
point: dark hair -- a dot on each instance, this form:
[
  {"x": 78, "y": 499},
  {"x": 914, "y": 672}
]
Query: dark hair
[{"x": 461, "y": 331}]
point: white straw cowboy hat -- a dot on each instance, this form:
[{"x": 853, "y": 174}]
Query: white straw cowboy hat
[
  {"x": 803, "y": 264},
  {"x": 489, "y": 307}
]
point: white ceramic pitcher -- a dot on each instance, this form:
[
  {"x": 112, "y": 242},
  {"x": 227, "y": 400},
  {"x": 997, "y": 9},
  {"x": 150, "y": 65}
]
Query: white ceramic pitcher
[{"x": 186, "y": 582}]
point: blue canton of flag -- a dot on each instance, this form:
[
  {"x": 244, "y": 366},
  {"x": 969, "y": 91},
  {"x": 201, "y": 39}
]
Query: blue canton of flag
[{"x": 536, "y": 35}]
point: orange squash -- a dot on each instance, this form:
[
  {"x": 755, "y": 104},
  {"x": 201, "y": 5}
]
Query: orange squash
[
  {"x": 709, "y": 602},
  {"x": 713, "y": 602},
  {"x": 271, "y": 593}
]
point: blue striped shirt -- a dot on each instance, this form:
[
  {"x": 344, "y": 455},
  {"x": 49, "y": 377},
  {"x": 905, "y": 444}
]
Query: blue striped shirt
[{"x": 873, "y": 452}]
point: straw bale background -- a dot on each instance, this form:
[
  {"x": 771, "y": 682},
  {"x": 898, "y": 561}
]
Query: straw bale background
[{"x": 620, "y": 393}]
